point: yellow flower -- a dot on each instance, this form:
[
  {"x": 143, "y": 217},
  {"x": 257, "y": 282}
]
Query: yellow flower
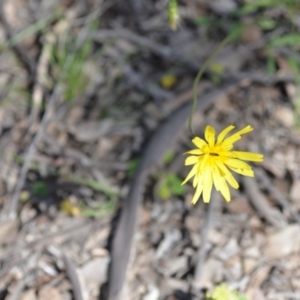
[
  {"x": 168, "y": 81},
  {"x": 213, "y": 159},
  {"x": 222, "y": 292}
]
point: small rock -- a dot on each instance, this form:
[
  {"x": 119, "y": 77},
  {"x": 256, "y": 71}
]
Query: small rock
[
  {"x": 222, "y": 6},
  {"x": 153, "y": 293},
  {"x": 284, "y": 116},
  {"x": 91, "y": 131},
  {"x": 96, "y": 270}
]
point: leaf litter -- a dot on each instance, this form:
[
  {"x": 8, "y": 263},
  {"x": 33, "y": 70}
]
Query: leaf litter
[{"x": 89, "y": 167}]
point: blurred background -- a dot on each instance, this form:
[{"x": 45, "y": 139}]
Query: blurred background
[{"x": 84, "y": 84}]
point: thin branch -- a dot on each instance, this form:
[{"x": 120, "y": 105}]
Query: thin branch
[
  {"x": 41, "y": 78},
  {"x": 74, "y": 278},
  {"x": 271, "y": 214},
  {"x": 13, "y": 202},
  {"x": 202, "y": 251},
  {"x": 276, "y": 194},
  {"x": 156, "y": 48}
]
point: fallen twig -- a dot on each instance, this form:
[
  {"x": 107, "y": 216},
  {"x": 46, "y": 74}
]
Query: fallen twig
[
  {"x": 156, "y": 48},
  {"x": 276, "y": 194},
  {"x": 201, "y": 253},
  {"x": 74, "y": 278},
  {"x": 11, "y": 205},
  {"x": 41, "y": 78},
  {"x": 272, "y": 215}
]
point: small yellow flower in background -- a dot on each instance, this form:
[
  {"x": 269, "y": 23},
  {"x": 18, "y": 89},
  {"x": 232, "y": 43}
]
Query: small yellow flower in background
[
  {"x": 213, "y": 160},
  {"x": 222, "y": 292},
  {"x": 69, "y": 208},
  {"x": 168, "y": 81}
]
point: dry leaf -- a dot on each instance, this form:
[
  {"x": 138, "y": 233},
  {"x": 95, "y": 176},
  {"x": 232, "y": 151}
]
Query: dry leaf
[
  {"x": 7, "y": 229},
  {"x": 49, "y": 293},
  {"x": 91, "y": 131},
  {"x": 29, "y": 295},
  {"x": 214, "y": 272},
  {"x": 282, "y": 243},
  {"x": 255, "y": 294}
]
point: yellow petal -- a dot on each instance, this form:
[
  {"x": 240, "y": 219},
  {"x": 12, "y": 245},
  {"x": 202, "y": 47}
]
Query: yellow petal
[
  {"x": 197, "y": 194},
  {"x": 216, "y": 177},
  {"x": 195, "y": 180},
  {"x": 236, "y": 136},
  {"x": 223, "y": 133},
  {"x": 203, "y": 163},
  {"x": 207, "y": 185},
  {"x": 244, "y": 172},
  {"x": 195, "y": 152},
  {"x": 191, "y": 160},
  {"x": 210, "y": 135},
  {"x": 236, "y": 164},
  {"x": 227, "y": 175},
  {"x": 247, "y": 156},
  {"x": 191, "y": 174},
  {"x": 198, "y": 142},
  {"x": 225, "y": 190},
  {"x": 221, "y": 185}
]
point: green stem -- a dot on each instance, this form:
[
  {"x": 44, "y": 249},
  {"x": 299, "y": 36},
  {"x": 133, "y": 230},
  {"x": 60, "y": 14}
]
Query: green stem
[{"x": 202, "y": 70}]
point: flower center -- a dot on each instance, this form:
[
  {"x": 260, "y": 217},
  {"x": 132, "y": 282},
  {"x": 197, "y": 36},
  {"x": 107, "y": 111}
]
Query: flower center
[{"x": 213, "y": 154}]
